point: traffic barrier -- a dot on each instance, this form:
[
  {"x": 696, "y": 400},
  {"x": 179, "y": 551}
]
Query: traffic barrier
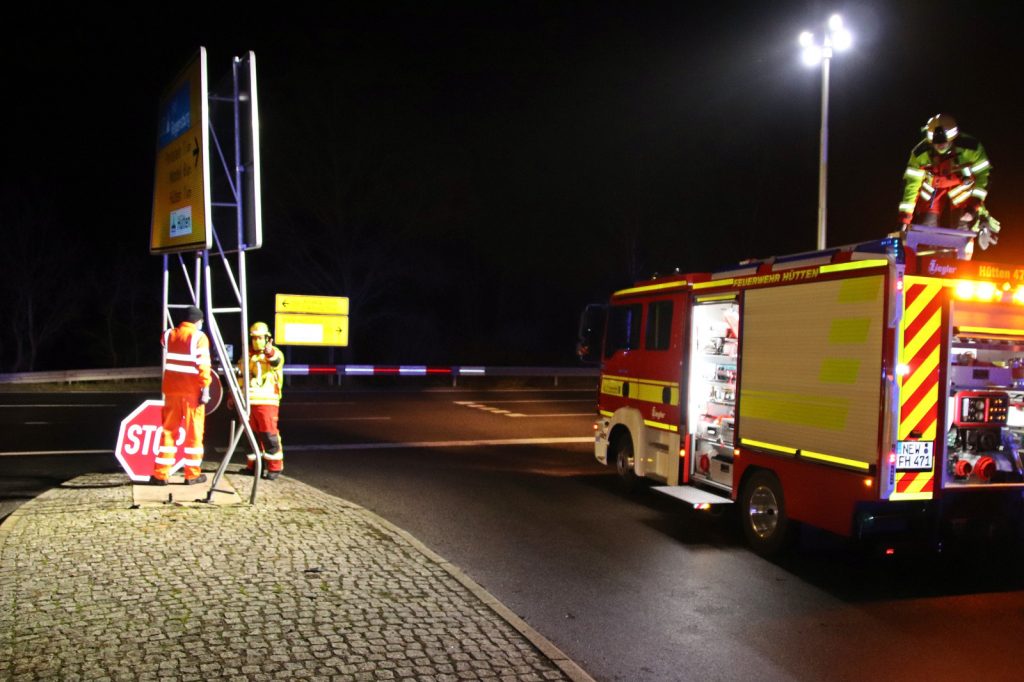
[{"x": 81, "y": 375}]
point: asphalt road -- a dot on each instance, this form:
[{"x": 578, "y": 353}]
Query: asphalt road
[{"x": 632, "y": 587}]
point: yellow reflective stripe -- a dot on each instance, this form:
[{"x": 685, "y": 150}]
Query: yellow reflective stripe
[
  {"x": 714, "y": 283},
  {"x": 659, "y": 425},
  {"x": 839, "y": 371},
  {"x": 913, "y": 381},
  {"x": 922, "y": 301},
  {"x": 606, "y": 413},
  {"x": 980, "y": 193},
  {"x": 907, "y": 208},
  {"x": 992, "y": 330},
  {"x": 923, "y": 336},
  {"x": 849, "y": 330},
  {"x": 768, "y": 446},
  {"x": 652, "y": 287},
  {"x": 854, "y": 265},
  {"x": 832, "y": 459},
  {"x": 913, "y": 172},
  {"x": 980, "y": 166},
  {"x": 910, "y": 496},
  {"x": 715, "y": 297},
  {"x": 825, "y": 412}
]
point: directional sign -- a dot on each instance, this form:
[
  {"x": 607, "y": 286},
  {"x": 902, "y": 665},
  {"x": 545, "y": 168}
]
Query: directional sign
[
  {"x": 138, "y": 441},
  {"x": 181, "y": 189},
  {"x": 318, "y": 305},
  {"x": 310, "y": 330}
]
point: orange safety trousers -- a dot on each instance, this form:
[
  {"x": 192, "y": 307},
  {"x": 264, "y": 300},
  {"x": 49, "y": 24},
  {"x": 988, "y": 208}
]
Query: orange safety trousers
[
  {"x": 263, "y": 420},
  {"x": 181, "y": 412}
]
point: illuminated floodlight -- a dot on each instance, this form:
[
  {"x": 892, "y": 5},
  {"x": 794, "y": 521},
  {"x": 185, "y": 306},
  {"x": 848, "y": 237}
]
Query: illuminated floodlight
[
  {"x": 835, "y": 38},
  {"x": 1018, "y": 296},
  {"x": 812, "y": 55}
]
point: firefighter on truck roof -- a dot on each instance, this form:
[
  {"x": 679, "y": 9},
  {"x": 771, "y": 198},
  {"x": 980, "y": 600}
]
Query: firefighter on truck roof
[
  {"x": 186, "y": 389},
  {"x": 946, "y": 182},
  {"x": 266, "y": 379}
]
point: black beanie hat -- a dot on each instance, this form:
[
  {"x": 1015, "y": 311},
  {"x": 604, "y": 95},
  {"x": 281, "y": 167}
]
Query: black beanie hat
[{"x": 193, "y": 314}]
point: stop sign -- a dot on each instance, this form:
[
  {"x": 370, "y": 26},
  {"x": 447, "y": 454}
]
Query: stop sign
[{"x": 138, "y": 441}]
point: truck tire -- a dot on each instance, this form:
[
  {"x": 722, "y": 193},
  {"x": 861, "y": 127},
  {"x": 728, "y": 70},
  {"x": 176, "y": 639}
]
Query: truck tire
[
  {"x": 624, "y": 463},
  {"x": 767, "y": 528}
]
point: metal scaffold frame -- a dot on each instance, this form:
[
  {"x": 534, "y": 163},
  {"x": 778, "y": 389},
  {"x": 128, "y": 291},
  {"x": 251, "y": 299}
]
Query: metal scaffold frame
[{"x": 198, "y": 286}]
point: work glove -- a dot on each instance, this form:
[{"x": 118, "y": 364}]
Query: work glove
[
  {"x": 986, "y": 238},
  {"x": 966, "y": 221},
  {"x": 204, "y": 395}
]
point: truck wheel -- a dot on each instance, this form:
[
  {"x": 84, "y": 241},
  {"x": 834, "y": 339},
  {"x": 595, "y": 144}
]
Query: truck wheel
[
  {"x": 763, "y": 514},
  {"x": 624, "y": 463}
]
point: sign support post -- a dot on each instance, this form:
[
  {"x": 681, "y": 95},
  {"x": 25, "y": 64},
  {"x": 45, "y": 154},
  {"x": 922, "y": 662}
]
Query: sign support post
[{"x": 184, "y": 220}]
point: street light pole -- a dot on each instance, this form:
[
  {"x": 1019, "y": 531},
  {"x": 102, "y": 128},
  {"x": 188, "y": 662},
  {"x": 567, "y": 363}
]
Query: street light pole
[
  {"x": 823, "y": 158},
  {"x": 837, "y": 37}
]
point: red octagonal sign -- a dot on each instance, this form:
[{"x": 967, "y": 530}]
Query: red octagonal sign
[{"x": 138, "y": 441}]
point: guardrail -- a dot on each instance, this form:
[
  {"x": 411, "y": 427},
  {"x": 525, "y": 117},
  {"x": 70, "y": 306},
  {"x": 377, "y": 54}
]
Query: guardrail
[{"x": 455, "y": 372}]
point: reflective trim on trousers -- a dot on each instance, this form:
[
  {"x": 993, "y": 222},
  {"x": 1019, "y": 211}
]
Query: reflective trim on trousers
[
  {"x": 181, "y": 368},
  {"x": 193, "y": 451},
  {"x": 193, "y": 462},
  {"x": 163, "y": 460},
  {"x": 273, "y": 458}
]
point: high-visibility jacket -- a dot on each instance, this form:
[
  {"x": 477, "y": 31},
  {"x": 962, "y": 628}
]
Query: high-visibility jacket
[
  {"x": 962, "y": 172},
  {"x": 186, "y": 361},
  {"x": 266, "y": 377}
]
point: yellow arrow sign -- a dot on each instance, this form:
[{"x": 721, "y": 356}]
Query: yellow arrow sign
[
  {"x": 319, "y": 305},
  {"x": 301, "y": 329}
]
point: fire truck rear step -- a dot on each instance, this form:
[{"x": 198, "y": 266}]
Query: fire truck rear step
[{"x": 691, "y": 495}]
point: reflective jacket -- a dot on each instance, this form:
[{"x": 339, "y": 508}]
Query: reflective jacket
[
  {"x": 266, "y": 377},
  {"x": 186, "y": 361},
  {"x": 963, "y": 171}
]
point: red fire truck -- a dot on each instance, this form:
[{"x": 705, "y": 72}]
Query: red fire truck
[{"x": 865, "y": 390}]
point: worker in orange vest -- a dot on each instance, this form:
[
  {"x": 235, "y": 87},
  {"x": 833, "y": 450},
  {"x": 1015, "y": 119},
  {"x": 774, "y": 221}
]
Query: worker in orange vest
[
  {"x": 186, "y": 389},
  {"x": 266, "y": 379}
]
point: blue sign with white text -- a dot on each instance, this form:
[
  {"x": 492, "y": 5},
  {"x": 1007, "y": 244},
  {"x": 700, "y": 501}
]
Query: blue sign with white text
[{"x": 176, "y": 118}]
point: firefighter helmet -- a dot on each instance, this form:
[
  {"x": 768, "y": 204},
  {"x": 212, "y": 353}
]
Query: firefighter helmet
[
  {"x": 259, "y": 329},
  {"x": 941, "y": 130}
]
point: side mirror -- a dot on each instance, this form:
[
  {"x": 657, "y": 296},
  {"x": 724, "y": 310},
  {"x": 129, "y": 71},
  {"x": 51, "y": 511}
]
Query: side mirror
[{"x": 591, "y": 333}]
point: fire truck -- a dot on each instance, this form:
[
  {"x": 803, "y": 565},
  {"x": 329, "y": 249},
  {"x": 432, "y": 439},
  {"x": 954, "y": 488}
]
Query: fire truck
[{"x": 872, "y": 390}]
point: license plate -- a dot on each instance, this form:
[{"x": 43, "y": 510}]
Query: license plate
[{"x": 914, "y": 455}]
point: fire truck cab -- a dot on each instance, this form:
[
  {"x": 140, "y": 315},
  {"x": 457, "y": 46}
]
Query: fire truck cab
[{"x": 870, "y": 389}]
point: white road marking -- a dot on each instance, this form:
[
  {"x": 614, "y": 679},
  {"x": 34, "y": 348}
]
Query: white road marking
[
  {"x": 336, "y": 419},
  {"x": 36, "y": 423},
  {"x": 442, "y": 444},
  {"x": 551, "y": 400},
  {"x": 56, "y": 452},
  {"x": 564, "y": 414},
  {"x": 66, "y": 405},
  {"x": 359, "y": 446},
  {"x": 520, "y": 415}
]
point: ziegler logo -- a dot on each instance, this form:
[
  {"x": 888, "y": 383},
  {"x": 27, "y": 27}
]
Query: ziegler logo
[
  {"x": 936, "y": 269},
  {"x": 657, "y": 415}
]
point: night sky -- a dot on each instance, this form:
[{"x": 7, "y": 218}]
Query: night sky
[{"x": 472, "y": 174}]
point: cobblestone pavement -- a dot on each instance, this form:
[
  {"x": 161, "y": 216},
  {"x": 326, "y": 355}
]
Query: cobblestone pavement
[{"x": 300, "y": 586}]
